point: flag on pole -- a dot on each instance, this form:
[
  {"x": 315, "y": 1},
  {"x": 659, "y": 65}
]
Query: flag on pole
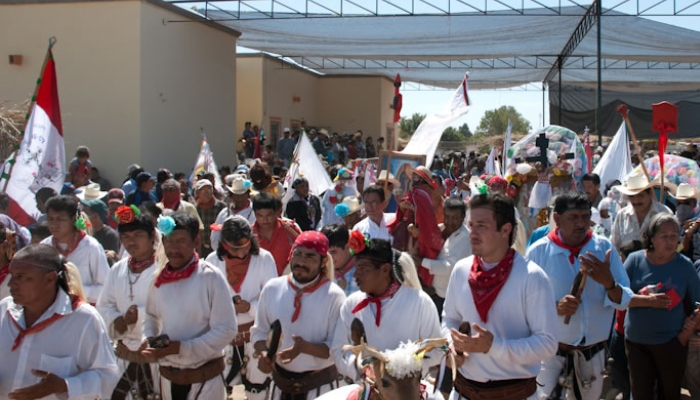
[
  {"x": 306, "y": 163},
  {"x": 205, "y": 164},
  {"x": 427, "y": 136},
  {"x": 491, "y": 168},
  {"x": 41, "y": 158},
  {"x": 616, "y": 162},
  {"x": 506, "y": 145},
  {"x": 587, "y": 148},
  {"x": 369, "y": 176}
]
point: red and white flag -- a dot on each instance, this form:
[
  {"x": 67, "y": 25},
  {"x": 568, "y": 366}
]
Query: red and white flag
[
  {"x": 41, "y": 158},
  {"x": 587, "y": 149}
]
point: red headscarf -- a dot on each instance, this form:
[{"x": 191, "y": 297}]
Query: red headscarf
[{"x": 313, "y": 240}]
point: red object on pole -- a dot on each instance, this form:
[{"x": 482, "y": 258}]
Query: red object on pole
[
  {"x": 664, "y": 119},
  {"x": 398, "y": 99},
  {"x": 587, "y": 149}
]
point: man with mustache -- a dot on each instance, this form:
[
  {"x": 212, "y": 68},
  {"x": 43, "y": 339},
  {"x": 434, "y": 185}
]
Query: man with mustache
[
  {"x": 307, "y": 304},
  {"x": 247, "y": 268},
  {"x": 584, "y": 315}
]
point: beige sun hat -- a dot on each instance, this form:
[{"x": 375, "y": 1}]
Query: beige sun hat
[
  {"x": 239, "y": 185},
  {"x": 637, "y": 183},
  {"x": 686, "y": 191},
  {"x": 91, "y": 191},
  {"x": 352, "y": 205},
  {"x": 383, "y": 177}
]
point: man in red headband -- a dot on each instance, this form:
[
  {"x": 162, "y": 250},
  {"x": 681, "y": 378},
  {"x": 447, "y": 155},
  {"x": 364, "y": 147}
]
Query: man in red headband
[
  {"x": 489, "y": 308},
  {"x": 307, "y": 304},
  {"x": 497, "y": 185}
]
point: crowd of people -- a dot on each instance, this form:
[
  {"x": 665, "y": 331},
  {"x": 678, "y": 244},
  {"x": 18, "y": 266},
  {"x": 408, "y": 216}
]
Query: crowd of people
[{"x": 158, "y": 289}]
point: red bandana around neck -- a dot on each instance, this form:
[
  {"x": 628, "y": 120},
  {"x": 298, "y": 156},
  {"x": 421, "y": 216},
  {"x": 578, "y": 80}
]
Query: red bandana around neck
[
  {"x": 4, "y": 272},
  {"x": 77, "y": 238},
  {"x": 377, "y": 301},
  {"x": 137, "y": 265},
  {"x": 573, "y": 250},
  {"x": 236, "y": 270},
  {"x": 36, "y": 328},
  {"x": 237, "y": 210},
  {"x": 167, "y": 275},
  {"x": 300, "y": 292},
  {"x": 485, "y": 285},
  {"x": 171, "y": 200}
]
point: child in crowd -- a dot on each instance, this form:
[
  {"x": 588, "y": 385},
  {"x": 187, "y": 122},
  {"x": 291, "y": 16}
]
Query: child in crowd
[{"x": 79, "y": 171}]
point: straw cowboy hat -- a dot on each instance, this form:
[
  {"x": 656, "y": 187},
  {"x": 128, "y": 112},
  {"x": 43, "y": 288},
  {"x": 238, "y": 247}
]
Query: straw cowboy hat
[
  {"x": 239, "y": 185},
  {"x": 685, "y": 192},
  {"x": 382, "y": 177},
  {"x": 424, "y": 173},
  {"x": 350, "y": 205},
  {"x": 90, "y": 192},
  {"x": 638, "y": 183}
]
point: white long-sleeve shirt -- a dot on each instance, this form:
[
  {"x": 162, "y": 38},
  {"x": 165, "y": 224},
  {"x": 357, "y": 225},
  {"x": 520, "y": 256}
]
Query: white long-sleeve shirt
[
  {"x": 594, "y": 315},
  {"x": 89, "y": 257},
  {"x": 246, "y": 213},
  {"x": 522, "y": 320},
  {"x": 115, "y": 300},
  {"x": 75, "y": 347},
  {"x": 373, "y": 231},
  {"x": 262, "y": 268},
  {"x": 197, "y": 311},
  {"x": 455, "y": 248},
  {"x": 627, "y": 227},
  {"x": 316, "y": 321},
  {"x": 408, "y": 315}
]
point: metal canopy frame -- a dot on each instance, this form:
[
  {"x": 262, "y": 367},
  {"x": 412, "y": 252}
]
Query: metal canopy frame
[
  {"x": 296, "y": 9},
  {"x": 591, "y": 15}
]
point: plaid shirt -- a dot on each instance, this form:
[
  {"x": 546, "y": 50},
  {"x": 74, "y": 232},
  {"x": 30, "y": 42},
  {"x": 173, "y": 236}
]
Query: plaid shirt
[{"x": 208, "y": 217}]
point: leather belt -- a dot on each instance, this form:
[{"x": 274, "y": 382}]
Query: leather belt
[
  {"x": 297, "y": 383},
  {"x": 512, "y": 389},
  {"x": 188, "y": 376}
]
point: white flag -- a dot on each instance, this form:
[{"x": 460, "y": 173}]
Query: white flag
[
  {"x": 41, "y": 159},
  {"x": 491, "y": 168},
  {"x": 506, "y": 146},
  {"x": 427, "y": 136},
  {"x": 205, "y": 163},
  {"x": 616, "y": 162},
  {"x": 307, "y": 164},
  {"x": 369, "y": 175}
]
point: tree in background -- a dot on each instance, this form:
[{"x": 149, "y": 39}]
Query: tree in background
[
  {"x": 495, "y": 122},
  {"x": 409, "y": 125}
]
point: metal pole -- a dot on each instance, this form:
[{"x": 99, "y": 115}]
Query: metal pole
[
  {"x": 543, "y": 88},
  {"x": 599, "y": 100},
  {"x": 559, "y": 91}
]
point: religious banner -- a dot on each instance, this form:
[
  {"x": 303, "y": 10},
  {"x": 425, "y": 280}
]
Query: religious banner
[
  {"x": 616, "y": 162},
  {"x": 427, "y": 136},
  {"x": 205, "y": 164},
  {"x": 306, "y": 163},
  {"x": 40, "y": 160}
]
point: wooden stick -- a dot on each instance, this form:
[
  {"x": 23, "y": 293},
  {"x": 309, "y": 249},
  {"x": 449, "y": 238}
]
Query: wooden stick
[
  {"x": 622, "y": 109},
  {"x": 576, "y": 291},
  {"x": 13, "y": 157}
]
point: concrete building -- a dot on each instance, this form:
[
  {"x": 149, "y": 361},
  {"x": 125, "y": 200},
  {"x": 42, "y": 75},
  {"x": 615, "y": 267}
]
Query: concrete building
[
  {"x": 275, "y": 94},
  {"x": 137, "y": 79}
]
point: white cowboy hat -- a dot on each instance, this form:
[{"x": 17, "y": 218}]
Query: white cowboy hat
[
  {"x": 353, "y": 206},
  {"x": 239, "y": 185},
  {"x": 391, "y": 179},
  {"x": 90, "y": 192},
  {"x": 637, "y": 183},
  {"x": 685, "y": 192}
]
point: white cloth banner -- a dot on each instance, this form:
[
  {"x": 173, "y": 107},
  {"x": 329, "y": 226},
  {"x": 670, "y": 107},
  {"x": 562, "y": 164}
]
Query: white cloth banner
[
  {"x": 491, "y": 167},
  {"x": 41, "y": 158},
  {"x": 427, "y": 136},
  {"x": 616, "y": 162},
  {"x": 205, "y": 163},
  {"x": 506, "y": 145},
  {"x": 307, "y": 164}
]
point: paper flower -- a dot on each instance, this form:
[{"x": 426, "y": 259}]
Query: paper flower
[
  {"x": 357, "y": 242},
  {"x": 342, "y": 210},
  {"x": 166, "y": 225},
  {"x": 126, "y": 214},
  {"x": 80, "y": 223}
]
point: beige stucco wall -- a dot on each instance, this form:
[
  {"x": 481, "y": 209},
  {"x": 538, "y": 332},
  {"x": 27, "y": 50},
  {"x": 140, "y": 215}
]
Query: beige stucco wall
[
  {"x": 281, "y": 85},
  {"x": 249, "y": 92},
  {"x": 188, "y": 82},
  {"x": 97, "y": 63},
  {"x": 132, "y": 88}
]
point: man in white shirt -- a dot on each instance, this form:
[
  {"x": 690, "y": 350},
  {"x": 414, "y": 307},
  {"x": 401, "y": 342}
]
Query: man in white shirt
[
  {"x": 390, "y": 304},
  {"x": 499, "y": 310},
  {"x": 190, "y": 302},
  {"x": 307, "y": 304},
  {"x": 68, "y": 237},
  {"x": 122, "y": 303},
  {"x": 456, "y": 247},
  {"x": 52, "y": 345},
  {"x": 247, "y": 269},
  {"x": 239, "y": 204},
  {"x": 374, "y": 226},
  {"x": 585, "y": 310},
  {"x": 632, "y": 220}
]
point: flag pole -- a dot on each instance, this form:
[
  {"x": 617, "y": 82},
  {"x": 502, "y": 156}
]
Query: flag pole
[{"x": 13, "y": 157}]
